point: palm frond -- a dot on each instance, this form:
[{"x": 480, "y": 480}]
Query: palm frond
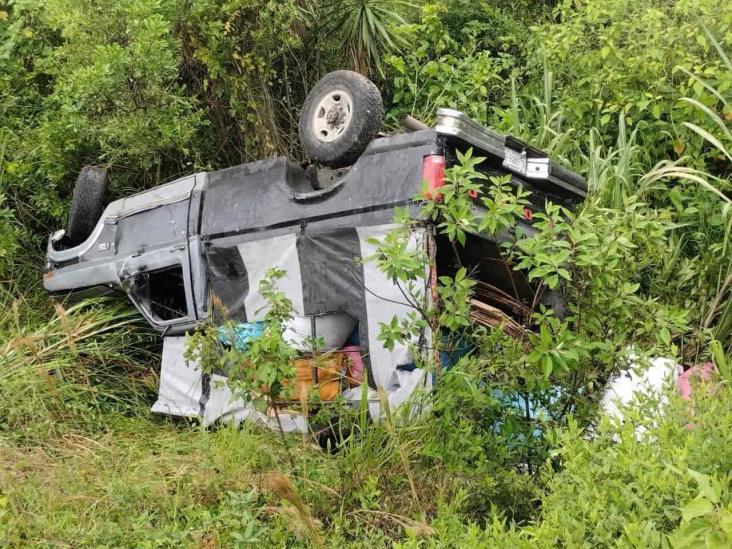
[{"x": 365, "y": 28}]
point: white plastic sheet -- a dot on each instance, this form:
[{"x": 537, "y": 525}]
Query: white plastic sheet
[{"x": 639, "y": 379}]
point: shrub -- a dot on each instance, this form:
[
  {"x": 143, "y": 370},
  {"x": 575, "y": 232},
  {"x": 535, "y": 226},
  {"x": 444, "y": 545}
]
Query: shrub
[
  {"x": 669, "y": 487},
  {"x": 155, "y": 89},
  {"x": 440, "y": 70},
  {"x": 624, "y": 56},
  {"x": 151, "y": 89}
]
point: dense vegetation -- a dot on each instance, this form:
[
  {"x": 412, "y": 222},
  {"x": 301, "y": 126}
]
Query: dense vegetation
[{"x": 636, "y": 96}]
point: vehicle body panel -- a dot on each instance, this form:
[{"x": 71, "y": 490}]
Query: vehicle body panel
[{"x": 171, "y": 248}]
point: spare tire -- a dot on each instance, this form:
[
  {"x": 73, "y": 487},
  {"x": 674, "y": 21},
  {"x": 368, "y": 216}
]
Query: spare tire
[
  {"x": 87, "y": 203},
  {"x": 341, "y": 115}
]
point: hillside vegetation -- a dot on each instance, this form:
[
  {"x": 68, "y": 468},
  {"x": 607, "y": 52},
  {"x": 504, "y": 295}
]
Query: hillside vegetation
[{"x": 634, "y": 95}]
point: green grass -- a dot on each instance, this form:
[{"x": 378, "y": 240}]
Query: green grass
[
  {"x": 139, "y": 482},
  {"x": 83, "y": 463}
]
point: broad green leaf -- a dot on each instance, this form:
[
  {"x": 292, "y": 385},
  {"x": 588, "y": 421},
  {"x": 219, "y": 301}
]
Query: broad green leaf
[{"x": 697, "y": 507}]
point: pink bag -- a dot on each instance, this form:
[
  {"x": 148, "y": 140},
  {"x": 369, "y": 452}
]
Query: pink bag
[
  {"x": 354, "y": 370},
  {"x": 700, "y": 371}
]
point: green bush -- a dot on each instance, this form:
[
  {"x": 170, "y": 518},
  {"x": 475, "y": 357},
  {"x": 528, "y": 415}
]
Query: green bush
[
  {"x": 440, "y": 70},
  {"x": 151, "y": 89},
  {"x": 670, "y": 487},
  {"x": 624, "y": 56},
  {"x": 8, "y": 237},
  {"x": 624, "y": 489}
]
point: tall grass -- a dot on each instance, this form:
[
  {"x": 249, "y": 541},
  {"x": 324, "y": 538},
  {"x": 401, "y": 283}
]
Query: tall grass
[
  {"x": 539, "y": 122},
  {"x": 716, "y": 314},
  {"x": 719, "y": 139},
  {"x": 699, "y": 261},
  {"x": 612, "y": 173},
  {"x": 61, "y": 373}
]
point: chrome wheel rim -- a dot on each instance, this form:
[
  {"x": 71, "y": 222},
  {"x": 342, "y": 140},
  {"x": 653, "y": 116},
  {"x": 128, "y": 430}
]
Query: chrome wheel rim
[{"x": 332, "y": 116}]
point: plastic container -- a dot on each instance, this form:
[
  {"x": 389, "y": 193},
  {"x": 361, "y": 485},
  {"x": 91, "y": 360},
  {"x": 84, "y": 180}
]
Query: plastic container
[
  {"x": 325, "y": 371},
  {"x": 333, "y": 328}
]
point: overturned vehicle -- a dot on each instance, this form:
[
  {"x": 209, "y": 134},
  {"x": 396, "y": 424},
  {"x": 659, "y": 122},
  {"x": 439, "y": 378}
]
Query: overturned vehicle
[{"x": 176, "y": 248}]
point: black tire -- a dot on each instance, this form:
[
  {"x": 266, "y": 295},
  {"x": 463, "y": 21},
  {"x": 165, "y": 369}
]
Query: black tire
[
  {"x": 87, "y": 203},
  {"x": 347, "y": 142}
]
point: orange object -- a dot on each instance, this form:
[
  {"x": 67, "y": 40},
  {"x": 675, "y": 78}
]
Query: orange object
[{"x": 324, "y": 371}]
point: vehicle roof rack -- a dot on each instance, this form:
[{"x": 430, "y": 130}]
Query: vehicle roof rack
[{"x": 514, "y": 155}]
